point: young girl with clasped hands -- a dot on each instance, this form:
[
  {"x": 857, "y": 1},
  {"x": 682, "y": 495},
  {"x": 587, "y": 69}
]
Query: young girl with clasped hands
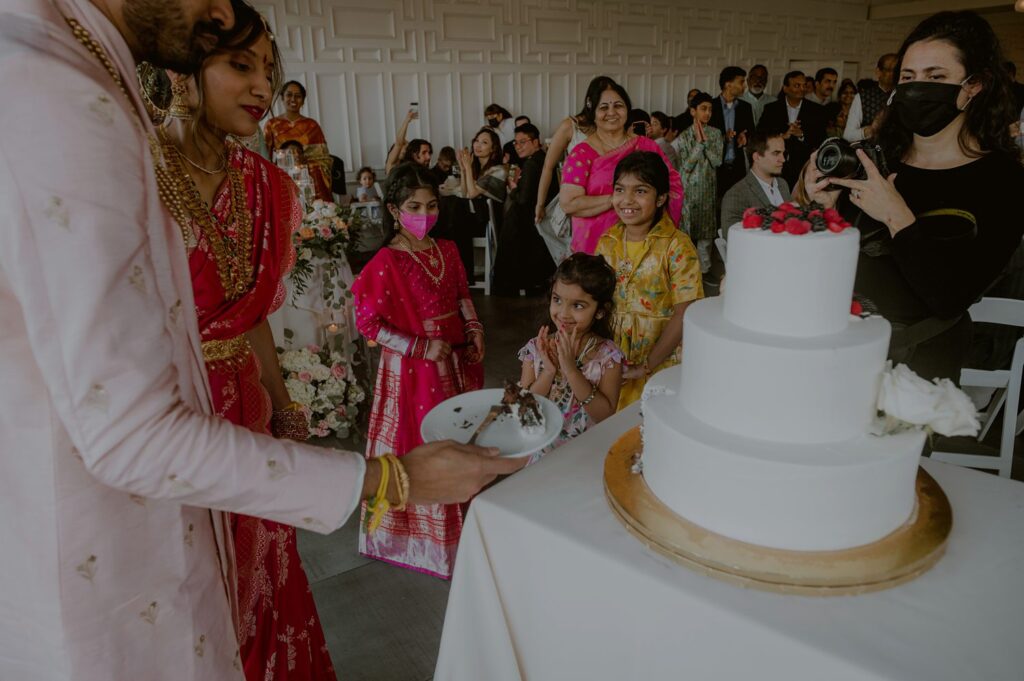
[
  {"x": 657, "y": 272},
  {"x": 573, "y": 361},
  {"x": 412, "y": 299}
]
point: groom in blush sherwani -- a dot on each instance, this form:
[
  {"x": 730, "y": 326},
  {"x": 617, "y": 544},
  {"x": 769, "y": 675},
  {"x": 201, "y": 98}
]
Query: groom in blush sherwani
[
  {"x": 114, "y": 471},
  {"x": 763, "y": 186}
]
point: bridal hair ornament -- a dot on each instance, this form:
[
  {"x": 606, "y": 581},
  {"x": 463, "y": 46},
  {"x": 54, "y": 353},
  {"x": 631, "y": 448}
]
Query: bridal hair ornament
[{"x": 179, "y": 107}]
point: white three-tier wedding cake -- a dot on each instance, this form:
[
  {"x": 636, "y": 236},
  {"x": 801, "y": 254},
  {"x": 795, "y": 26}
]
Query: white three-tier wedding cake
[{"x": 766, "y": 436}]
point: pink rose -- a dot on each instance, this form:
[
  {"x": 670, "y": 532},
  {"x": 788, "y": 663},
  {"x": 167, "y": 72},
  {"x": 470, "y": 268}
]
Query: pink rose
[
  {"x": 305, "y": 376},
  {"x": 342, "y": 411},
  {"x": 326, "y": 232},
  {"x": 321, "y": 430},
  {"x": 339, "y": 371},
  {"x": 313, "y": 347}
]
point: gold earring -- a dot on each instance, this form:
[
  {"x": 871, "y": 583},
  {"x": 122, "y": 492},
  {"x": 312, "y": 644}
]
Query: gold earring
[{"x": 179, "y": 107}]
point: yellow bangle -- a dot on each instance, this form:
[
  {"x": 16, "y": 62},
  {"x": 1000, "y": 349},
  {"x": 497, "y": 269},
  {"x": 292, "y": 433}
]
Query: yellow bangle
[{"x": 379, "y": 504}]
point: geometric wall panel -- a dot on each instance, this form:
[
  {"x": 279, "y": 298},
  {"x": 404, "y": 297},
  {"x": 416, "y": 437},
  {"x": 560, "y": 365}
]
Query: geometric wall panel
[{"x": 363, "y": 61}]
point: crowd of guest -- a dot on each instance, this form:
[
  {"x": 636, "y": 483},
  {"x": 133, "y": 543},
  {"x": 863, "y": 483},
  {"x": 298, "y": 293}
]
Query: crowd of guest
[{"x": 617, "y": 219}]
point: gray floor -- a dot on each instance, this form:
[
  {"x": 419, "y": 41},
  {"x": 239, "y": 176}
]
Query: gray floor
[{"x": 383, "y": 623}]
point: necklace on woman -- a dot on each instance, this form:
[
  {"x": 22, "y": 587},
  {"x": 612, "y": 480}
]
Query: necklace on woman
[
  {"x": 208, "y": 171},
  {"x": 178, "y": 191},
  {"x": 431, "y": 258}
]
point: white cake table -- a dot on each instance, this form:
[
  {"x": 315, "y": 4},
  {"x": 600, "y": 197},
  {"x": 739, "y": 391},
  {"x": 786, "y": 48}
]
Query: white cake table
[{"x": 549, "y": 585}]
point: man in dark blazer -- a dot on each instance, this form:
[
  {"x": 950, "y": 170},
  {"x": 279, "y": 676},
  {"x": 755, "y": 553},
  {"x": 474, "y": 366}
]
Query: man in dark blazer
[
  {"x": 735, "y": 118},
  {"x": 763, "y": 186},
  {"x": 800, "y": 122}
]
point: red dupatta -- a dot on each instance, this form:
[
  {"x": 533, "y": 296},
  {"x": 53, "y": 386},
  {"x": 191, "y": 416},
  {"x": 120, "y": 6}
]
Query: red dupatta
[{"x": 275, "y": 211}]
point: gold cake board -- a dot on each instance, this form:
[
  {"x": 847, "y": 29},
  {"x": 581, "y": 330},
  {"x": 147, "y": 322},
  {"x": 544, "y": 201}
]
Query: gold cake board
[{"x": 896, "y": 558}]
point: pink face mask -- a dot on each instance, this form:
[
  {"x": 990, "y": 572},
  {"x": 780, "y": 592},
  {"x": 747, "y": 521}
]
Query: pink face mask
[{"x": 419, "y": 225}]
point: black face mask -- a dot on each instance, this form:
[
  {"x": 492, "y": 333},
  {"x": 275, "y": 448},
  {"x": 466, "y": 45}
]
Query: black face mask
[
  {"x": 926, "y": 108},
  {"x": 493, "y": 122}
]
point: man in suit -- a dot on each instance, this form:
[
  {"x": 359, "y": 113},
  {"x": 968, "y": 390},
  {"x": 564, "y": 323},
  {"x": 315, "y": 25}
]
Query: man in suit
[
  {"x": 800, "y": 122},
  {"x": 735, "y": 118},
  {"x": 763, "y": 186}
]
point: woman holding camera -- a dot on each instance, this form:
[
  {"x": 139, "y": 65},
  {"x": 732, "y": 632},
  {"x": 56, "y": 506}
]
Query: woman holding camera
[{"x": 942, "y": 227}]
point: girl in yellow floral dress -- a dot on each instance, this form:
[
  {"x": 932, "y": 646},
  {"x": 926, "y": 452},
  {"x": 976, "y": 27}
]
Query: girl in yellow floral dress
[{"x": 657, "y": 272}]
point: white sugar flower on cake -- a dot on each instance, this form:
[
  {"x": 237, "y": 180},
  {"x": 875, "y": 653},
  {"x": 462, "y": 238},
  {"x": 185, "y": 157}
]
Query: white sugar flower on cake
[{"x": 906, "y": 400}]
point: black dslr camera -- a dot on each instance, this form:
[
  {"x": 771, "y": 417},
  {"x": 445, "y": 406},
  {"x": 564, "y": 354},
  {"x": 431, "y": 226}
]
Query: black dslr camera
[{"x": 838, "y": 158}]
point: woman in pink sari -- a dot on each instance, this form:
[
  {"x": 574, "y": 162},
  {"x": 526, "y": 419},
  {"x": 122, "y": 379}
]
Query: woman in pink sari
[
  {"x": 412, "y": 299},
  {"x": 586, "y": 192},
  {"x": 237, "y": 213}
]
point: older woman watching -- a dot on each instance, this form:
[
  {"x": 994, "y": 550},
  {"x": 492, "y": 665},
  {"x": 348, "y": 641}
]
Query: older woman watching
[
  {"x": 587, "y": 175},
  {"x": 292, "y": 125},
  {"x": 838, "y": 111}
]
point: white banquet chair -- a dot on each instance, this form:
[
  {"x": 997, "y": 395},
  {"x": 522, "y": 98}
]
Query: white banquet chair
[
  {"x": 1006, "y": 383},
  {"x": 489, "y": 244}
]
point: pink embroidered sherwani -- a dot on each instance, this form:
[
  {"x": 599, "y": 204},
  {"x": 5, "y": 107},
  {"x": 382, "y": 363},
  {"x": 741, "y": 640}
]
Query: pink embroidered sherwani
[{"x": 112, "y": 568}]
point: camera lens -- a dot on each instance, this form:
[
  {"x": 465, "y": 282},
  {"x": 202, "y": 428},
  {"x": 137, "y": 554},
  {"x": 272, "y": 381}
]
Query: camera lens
[{"x": 837, "y": 158}]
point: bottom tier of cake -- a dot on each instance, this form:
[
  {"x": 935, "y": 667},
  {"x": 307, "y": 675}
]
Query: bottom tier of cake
[{"x": 820, "y": 497}]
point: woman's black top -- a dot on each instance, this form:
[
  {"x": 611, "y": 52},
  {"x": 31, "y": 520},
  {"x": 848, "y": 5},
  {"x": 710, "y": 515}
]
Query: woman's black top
[{"x": 923, "y": 280}]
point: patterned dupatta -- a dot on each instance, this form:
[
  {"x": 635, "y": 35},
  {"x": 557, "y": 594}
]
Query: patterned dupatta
[{"x": 275, "y": 212}]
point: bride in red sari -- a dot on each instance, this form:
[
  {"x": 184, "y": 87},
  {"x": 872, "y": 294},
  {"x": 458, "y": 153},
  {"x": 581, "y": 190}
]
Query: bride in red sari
[{"x": 237, "y": 213}]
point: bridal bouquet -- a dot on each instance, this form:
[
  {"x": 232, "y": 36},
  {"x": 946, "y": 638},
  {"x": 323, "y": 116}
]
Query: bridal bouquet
[
  {"x": 322, "y": 382},
  {"x": 327, "y": 231},
  {"x": 792, "y": 219}
]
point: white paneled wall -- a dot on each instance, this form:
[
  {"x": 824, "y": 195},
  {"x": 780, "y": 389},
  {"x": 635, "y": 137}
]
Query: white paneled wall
[{"x": 364, "y": 61}]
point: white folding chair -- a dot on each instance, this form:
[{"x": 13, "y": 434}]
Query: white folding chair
[
  {"x": 489, "y": 244},
  {"x": 720, "y": 244},
  {"x": 1006, "y": 382}
]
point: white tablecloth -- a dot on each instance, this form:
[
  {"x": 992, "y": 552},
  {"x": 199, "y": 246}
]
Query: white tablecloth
[{"x": 549, "y": 585}]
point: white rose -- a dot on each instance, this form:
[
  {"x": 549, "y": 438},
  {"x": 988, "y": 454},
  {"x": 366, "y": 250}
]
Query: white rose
[
  {"x": 320, "y": 372},
  {"x": 940, "y": 406},
  {"x": 305, "y": 254}
]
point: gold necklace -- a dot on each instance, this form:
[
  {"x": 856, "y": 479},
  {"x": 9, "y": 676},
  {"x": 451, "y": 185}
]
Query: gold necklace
[
  {"x": 223, "y": 164},
  {"x": 83, "y": 36},
  {"x": 233, "y": 255},
  {"x": 438, "y": 278}
]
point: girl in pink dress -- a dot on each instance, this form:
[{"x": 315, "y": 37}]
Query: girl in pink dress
[{"x": 412, "y": 299}]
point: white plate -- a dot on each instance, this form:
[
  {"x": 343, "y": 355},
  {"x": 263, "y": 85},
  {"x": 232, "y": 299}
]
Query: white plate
[{"x": 457, "y": 418}]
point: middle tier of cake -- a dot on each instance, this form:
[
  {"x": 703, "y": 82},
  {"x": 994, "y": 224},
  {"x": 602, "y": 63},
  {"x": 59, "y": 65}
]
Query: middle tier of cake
[
  {"x": 781, "y": 389},
  {"x": 798, "y": 497}
]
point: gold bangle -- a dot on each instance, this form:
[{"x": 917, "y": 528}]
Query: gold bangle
[{"x": 401, "y": 483}]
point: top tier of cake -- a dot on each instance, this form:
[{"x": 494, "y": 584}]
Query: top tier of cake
[{"x": 790, "y": 285}]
